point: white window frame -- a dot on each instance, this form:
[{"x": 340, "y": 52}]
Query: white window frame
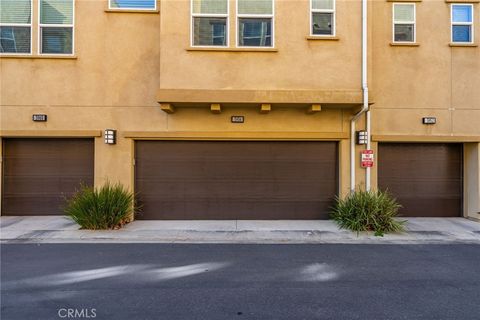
[
  {"x": 334, "y": 19},
  {"x": 210, "y": 15},
  {"x": 110, "y": 7},
  {"x": 414, "y": 21},
  {"x": 22, "y": 25},
  {"x": 41, "y": 25},
  {"x": 471, "y": 24},
  {"x": 258, "y": 16}
]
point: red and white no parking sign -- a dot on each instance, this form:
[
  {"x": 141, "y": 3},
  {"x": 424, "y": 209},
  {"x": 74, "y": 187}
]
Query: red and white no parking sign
[{"x": 367, "y": 159}]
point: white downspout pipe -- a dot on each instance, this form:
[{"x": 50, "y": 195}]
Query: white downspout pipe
[{"x": 365, "y": 104}]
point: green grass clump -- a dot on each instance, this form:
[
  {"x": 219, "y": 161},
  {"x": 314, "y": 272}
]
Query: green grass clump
[
  {"x": 107, "y": 207},
  {"x": 368, "y": 211}
]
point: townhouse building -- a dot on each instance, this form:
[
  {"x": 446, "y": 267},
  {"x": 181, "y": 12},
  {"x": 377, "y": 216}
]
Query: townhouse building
[{"x": 241, "y": 109}]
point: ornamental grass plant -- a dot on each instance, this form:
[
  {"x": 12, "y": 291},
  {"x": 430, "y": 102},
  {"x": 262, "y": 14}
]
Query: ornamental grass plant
[
  {"x": 368, "y": 211},
  {"x": 107, "y": 207}
]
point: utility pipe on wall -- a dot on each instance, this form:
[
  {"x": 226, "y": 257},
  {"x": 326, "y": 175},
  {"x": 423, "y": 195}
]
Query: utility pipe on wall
[{"x": 364, "y": 107}]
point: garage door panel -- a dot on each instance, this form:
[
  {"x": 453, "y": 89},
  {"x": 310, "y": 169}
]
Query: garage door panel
[
  {"x": 429, "y": 207},
  {"x": 250, "y": 170},
  {"x": 217, "y": 210},
  {"x": 39, "y": 173},
  {"x": 423, "y": 170},
  {"x": 210, "y": 150},
  {"x": 421, "y": 188},
  {"x": 235, "y": 180},
  {"x": 32, "y": 205},
  {"x": 44, "y": 184},
  {"x": 47, "y": 167},
  {"x": 425, "y": 178},
  {"x": 245, "y": 189}
]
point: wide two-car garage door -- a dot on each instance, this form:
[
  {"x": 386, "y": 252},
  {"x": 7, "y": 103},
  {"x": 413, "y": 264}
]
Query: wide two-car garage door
[
  {"x": 39, "y": 173},
  {"x": 425, "y": 178},
  {"x": 235, "y": 179}
]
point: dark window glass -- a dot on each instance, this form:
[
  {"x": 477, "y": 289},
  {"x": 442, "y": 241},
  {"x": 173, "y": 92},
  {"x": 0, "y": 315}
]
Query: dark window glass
[
  {"x": 404, "y": 32},
  {"x": 15, "y": 39},
  {"x": 56, "y": 40},
  {"x": 209, "y": 31},
  {"x": 322, "y": 23},
  {"x": 461, "y": 33},
  {"x": 255, "y": 32}
]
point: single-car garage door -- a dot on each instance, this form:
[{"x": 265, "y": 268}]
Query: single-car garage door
[
  {"x": 235, "y": 180},
  {"x": 38, "y": 173},
  {"x": 425, "y": 178}
]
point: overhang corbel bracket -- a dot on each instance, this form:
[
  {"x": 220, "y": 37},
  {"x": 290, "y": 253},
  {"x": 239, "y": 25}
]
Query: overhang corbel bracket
[
  {"x": 216, "y": 108},
  {"x": 314, "y": 108},
  {"x": 265, "y": 108},
  {"x": 167, "y": 107}
]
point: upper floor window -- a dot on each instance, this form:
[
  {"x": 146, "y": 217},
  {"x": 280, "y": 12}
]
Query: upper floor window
[
  {"x": 56, "y": 26},
  {"x": 16, "y": 26},
  {"x": 462, "y": 23},
  {"x": 210, "y": 23},
  {"x": 133, "y": 4},
  {"x": 404, "y": 22},
  {"x": 255, "y": 23},
  {"x": 322, "y": 17}
]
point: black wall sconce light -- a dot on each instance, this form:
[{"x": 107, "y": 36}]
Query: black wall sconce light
[{"x": 110, "y": 136}]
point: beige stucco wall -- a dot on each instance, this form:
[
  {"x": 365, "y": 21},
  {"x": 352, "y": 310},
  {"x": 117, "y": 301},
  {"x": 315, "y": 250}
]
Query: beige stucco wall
[
  {"x": 298, "y": 64},
  {"x": 123, "y": 60},
  {"x": 432, "y": 79}
]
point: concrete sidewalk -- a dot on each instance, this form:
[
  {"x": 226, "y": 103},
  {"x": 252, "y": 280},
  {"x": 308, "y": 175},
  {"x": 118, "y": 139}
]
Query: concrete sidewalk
[{"x": 58, "y": 229}]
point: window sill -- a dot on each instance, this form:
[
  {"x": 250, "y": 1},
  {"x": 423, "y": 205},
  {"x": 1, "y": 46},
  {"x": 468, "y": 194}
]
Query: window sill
[
  {"x": 216, "y": 49},
  {"x": 462, "y": 1},
  {"x": 324, "y": 38},
  {"x": 404, "y": 44},
  {"x": 14, "y": 56},
  {"x": 151, "y": 11},
  {"x": 471, "y": 45}
]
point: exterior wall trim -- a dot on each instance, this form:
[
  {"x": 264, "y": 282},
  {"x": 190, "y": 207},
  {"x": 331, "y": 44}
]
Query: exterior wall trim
[
  {"x": 461, "y": 1},
  {"x": 404, "y": 44},
  {"x": 37, "y": 56},
  {"x": 154, "y": 11},
  {"x": 49, "y": 133},
  {"x": 228, "y": 49},
  {"x": 324, "y": 38},
  {"x": 300, "y": 136},
  {"x": 405, "y": 138},
  {"x": 259, "y": 96}
]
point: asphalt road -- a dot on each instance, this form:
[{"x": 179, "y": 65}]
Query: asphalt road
[{"x": 166, "y": 281}]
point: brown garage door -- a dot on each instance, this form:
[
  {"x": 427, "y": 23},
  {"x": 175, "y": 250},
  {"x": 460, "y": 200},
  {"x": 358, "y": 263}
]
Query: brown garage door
[
  {"x": 235, "y": 180},
  {"x": 38, "y": 173},
  {"x": 425, "y": 178}
]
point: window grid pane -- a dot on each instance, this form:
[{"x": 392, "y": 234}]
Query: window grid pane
[
  {"x": 15, "y": 11},
  {"x": 56, "y": 40},
  {"x": 209, "y": 31},
  {"x": 404, "y": 32},
  {"x": 258, "y": 7},
  {"x": 462, "y": 13},
  {"x": 322, "y": 23},
  {"x": 462, "y": 33},
  {"x": 255, "y": 32},
  {"x": 210, "y": 7},
  {"x": 323, "y": 4},
  {"x": 56, "y": 12},
  {"x": 404, "y": 12},
  {"x": 15, "y": 39}
]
